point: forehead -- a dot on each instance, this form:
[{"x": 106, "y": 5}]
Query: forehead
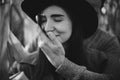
[{"x": 54, "y": 10}]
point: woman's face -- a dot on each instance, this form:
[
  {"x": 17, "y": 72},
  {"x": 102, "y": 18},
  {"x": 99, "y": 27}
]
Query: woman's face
[{"x": 56, "y": 20}]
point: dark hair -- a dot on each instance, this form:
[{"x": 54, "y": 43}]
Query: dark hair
[{"x": 84, "y": 23}]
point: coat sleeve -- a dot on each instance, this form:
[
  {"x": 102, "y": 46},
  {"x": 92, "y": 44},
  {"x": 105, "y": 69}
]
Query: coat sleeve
[
  {"x": 102, "y": 58},
  {"x": 104, "y": 42},
  {"x": 72, "y": 71}
]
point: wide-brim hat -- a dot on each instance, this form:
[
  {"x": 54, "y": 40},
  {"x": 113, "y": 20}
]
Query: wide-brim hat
[{"x": 89, "y": 14}]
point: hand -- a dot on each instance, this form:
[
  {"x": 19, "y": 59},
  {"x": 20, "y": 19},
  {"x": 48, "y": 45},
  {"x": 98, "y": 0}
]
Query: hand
[
  {"x": 19, "y": 76},
  {"x": 21, "y": 54},
  {"x": 14, "y": 68},
  {"x": 53, "y": 49}
]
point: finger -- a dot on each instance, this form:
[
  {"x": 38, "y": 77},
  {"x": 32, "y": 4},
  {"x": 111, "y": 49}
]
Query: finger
[
  {"x": 13, "y": 39},
  {"x": 13, "y": 76},
  {"x": 43, "y": 37},
  {"x": 53, "y": 38},
  {"x": 21, "y": 76},
  {"x": 47, "y": 49},
  {"x": 51, "y": 35},
  {"x": 40, "y": 42},
  {"x": 47, "y": 52}
]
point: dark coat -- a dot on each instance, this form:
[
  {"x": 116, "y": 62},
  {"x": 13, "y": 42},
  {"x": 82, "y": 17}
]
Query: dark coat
[{"x": 103, "y": 60}]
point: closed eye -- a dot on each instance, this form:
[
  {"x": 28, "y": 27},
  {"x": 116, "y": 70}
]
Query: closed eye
[{"x": 57, "y": 17}]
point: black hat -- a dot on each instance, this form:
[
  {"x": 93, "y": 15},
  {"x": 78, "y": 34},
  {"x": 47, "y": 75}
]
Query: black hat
[{"x": 86, "y": 11}]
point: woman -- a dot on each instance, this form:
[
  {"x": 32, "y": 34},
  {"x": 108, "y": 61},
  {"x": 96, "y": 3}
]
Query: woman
[
  {"x": 64, "y": 50},
  {"x": 62, "y": 45}
]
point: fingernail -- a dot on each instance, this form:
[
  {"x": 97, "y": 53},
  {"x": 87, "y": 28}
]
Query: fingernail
[{"x": 51, "y": 35}]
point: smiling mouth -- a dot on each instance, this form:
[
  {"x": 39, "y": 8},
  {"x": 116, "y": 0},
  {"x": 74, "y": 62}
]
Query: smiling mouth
[{"x": 57, "y": 35}]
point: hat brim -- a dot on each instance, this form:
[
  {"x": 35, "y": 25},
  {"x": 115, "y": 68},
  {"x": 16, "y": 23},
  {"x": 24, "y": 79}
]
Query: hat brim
[{"x": 90, "y": 17}]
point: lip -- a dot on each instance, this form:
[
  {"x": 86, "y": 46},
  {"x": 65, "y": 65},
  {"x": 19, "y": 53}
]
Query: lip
[{"x": 57, "y": 35}]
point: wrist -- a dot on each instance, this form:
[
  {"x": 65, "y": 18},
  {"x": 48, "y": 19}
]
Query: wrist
[{"x": 59, "y": 62}]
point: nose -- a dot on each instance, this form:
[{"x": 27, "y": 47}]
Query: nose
[{"x": 48, "y": 26}]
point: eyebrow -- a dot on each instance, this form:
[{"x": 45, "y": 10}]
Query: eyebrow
[{"x": 57, "y": 15}]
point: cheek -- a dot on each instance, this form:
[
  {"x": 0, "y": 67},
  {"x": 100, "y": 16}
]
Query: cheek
[
  {"x": 65, "y": 36},
  {"x": 64, "y": 27},
  {"x": 66, "y": 30}
]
